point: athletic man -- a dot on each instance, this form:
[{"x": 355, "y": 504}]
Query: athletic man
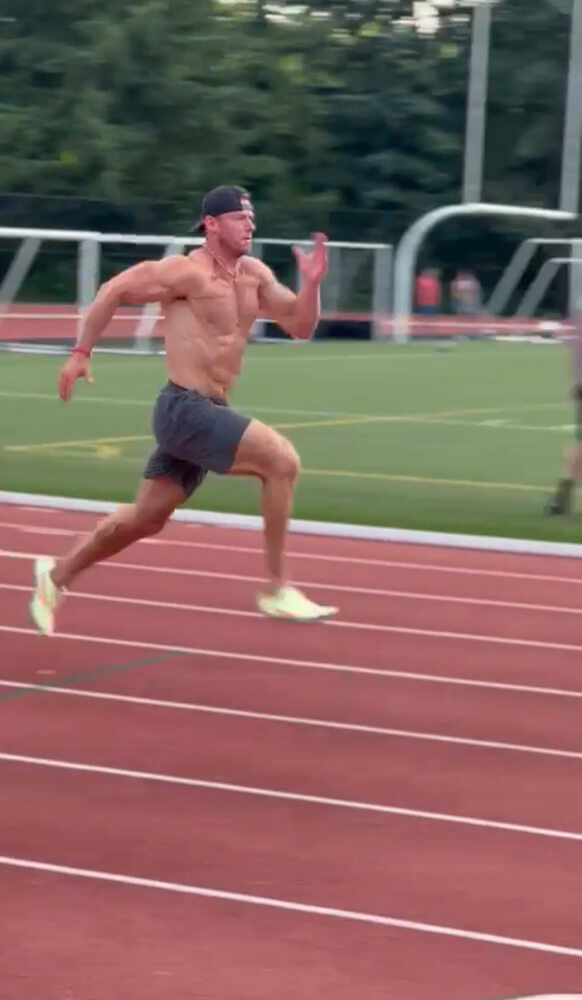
[{"x": 210, "y": 299}]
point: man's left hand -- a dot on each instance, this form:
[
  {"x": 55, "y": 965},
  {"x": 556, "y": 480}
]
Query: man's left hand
[{"x": 312, "y": 266}]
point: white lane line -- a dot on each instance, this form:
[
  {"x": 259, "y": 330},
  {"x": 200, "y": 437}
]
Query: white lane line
[
  {"x": 313, "y": 556},
  {"x": 355, "y": 626},
  {"x": 317, "y": 585},
  {"x": 281, "y": 661},
  {"x": 275, "y": 793},
  {"x": 289, "y": 905},
  {"x": 294, "y": 720}
]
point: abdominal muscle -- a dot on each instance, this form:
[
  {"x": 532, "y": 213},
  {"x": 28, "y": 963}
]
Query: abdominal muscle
[{"x": 204, "y": 344}]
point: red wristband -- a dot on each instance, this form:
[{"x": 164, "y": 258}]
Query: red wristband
[{"x": 81, "y": 350}]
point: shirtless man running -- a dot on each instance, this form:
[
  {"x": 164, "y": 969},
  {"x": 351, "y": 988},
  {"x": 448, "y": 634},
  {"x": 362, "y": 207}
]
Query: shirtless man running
[{"x": 210, "y": 299}]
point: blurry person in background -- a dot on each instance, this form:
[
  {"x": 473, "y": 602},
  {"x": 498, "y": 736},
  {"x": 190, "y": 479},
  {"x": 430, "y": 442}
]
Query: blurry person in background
[
  {"x": 562, "y": 499},
  {"x": 466, "y": 297},
  {"x": 428, "y": 292}
]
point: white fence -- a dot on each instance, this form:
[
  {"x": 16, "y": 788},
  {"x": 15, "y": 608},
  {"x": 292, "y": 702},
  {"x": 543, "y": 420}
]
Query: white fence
[
  {"x": 366, "y": 283},
  {"x": 357, "y": 287}
]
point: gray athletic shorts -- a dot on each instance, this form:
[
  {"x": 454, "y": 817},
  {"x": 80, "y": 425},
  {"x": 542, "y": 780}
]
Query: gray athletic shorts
[{"x": 195, "y": 435}]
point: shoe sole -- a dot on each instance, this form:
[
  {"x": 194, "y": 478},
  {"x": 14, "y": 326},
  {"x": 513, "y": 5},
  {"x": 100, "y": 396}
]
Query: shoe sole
[{"x": 299, "y": 618}]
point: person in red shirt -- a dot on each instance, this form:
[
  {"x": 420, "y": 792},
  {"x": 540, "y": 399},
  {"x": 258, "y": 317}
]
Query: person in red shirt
[{"x": 428, "y": 291}]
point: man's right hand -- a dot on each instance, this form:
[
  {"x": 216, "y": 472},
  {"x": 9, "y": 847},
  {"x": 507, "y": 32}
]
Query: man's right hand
[{"x": 76, "y": 366}]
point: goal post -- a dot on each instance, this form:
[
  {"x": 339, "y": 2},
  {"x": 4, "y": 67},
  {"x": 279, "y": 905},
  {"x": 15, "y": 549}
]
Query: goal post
[
  {"x": 408, "y": 249},
  {"x": 534, "y": 296}
]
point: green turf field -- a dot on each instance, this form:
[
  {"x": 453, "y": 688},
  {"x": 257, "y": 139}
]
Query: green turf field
[{"x": 465, "y": 439}]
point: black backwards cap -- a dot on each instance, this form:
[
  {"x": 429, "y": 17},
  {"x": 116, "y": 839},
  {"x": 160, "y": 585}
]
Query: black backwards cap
[{"x": 221, "y": 200}]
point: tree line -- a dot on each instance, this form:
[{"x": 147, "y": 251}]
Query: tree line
[{"x": 342, "y": 115}]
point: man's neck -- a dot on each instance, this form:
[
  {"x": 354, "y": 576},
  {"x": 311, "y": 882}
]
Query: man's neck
[{"x": 227, "y": 262}]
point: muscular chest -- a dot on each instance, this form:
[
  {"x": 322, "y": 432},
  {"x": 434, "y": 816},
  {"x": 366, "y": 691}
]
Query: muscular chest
[{"x": 229, "y": 304}]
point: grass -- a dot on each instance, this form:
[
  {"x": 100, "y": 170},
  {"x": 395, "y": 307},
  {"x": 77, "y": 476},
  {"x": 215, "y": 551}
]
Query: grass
[{"x": 469, "y": 439}]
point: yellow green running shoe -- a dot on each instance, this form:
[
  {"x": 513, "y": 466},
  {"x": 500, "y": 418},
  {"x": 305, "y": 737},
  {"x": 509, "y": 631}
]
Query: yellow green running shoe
[
  {"x": 290, "y": 603},
  {"x": 44, "y": 601}
]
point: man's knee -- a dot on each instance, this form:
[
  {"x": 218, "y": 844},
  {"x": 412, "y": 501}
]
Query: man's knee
[
  {"x": 286, "y": 461},
  {"x": 152, "y": 524},
  {"x": 155, "y": 502},
  {"x": 141, "y": 521},
  {"x": 266, "y": 453},
  {"x": 152, "y": 520}
]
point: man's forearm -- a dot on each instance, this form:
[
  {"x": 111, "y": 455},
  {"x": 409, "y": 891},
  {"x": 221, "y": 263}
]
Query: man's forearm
[
  {"x": 98, "y": 316},
  {"x": 306, "y": 310}
]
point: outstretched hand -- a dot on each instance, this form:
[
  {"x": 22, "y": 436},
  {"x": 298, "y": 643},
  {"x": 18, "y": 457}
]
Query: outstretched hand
[
  {"x": 76, "y": 366},
  {"x": 312, "y": 266}
]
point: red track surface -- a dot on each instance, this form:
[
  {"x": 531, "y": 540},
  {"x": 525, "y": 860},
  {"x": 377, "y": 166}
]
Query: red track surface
[{"x": 186, "y": 715}]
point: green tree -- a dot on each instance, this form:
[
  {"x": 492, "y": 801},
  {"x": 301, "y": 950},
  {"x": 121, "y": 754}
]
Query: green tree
[{"x": 339, "y": 114}]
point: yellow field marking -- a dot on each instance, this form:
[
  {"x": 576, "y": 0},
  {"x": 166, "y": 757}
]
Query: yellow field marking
[
  {"x": 391, "y": 477},
  {"x": 347, "y": 421},
  {"x": 397, "y": 418},
  {"x": 112, "y": 452},
  {"x": 422, "y": 417},
  {"x": 99, "y": 454},
  {"x": 420, "y": 480},
  {"x": 340, "y": 422},
  {"x": 86, "y": 442},
  {"x": 336, "y": 422},
  {"x": 109, "y": 446}
]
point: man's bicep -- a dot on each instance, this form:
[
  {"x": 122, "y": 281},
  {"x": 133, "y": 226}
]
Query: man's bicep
[{"x": 276, "y": 301}]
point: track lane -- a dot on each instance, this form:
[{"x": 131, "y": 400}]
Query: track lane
[
  {"x": 311, "y": 546},
  {"x": 128, "y": 941},
  {"x": 451, "y": 778},
  {"x": 525, "y": 661},
  {"x": 384, "y": 865}
]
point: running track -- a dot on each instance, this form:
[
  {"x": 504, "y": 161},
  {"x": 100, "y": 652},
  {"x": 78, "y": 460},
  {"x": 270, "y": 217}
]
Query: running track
[{"x": 207, "y": 804}]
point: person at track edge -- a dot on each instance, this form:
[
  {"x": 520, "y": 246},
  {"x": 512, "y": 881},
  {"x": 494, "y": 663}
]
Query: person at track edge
[
  {"x": 210, "y": 297},
  {"x": 562, "y": 499}
]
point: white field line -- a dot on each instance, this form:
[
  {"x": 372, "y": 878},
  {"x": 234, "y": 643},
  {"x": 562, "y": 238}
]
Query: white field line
[
  {"x": 290, "y": 720},
  {"x": 356, "y": 626},
  {"x": 289, "y": 905},
  {"x": 277, "y": 794},
  {"x": 312, "y": 556}
]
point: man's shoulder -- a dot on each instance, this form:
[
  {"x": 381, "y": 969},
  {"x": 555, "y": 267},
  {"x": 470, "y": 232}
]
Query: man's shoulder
[
  {"x": 256, "y": 268},
  {"x": 181, "y": 271},
  {"x": 172, "y": 265},
  {"x": 180, "y": 263}
]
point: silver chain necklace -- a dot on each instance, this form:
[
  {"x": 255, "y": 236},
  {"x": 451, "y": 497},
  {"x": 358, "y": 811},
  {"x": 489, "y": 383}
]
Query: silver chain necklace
[{"x": 220, "y": 263}]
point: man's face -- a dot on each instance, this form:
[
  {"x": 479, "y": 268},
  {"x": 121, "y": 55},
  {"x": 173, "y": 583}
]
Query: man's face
[{"x": 234, "y": 230}]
